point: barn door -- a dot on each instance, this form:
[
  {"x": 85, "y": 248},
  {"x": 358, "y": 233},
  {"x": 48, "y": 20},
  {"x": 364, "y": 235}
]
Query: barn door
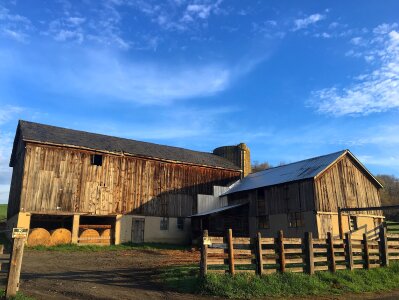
[{"x": 137, "y": 230}]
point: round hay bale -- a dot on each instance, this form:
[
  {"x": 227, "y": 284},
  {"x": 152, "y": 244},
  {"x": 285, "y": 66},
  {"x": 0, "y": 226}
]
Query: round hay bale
[
  {"x": 38, "y": 236},
  {"x": 60, "y": 236},
  {"x": 89, "y": 236},
  {"x": 106, "y": 234}
]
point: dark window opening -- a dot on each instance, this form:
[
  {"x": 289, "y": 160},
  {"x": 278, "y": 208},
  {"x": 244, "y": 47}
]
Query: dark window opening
[
  {"x": 180, "y": 223},
  {"x": 96, "y": 159},
  {"x": 295, "y": 219},
  {"x": 164, "y": 225},
  {"x": 353, "y": 223},
  {"x": 263, "y": 222}
]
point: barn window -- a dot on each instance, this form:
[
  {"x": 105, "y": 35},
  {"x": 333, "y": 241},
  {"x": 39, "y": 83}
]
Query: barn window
[
  {"x": 353, "y": 223},
  {"x": 180, "y": 223},
  {"x": 295, "y": 219},
  {"x": 96, "y": 160},
  {"x": 263, "y": 222},
  {"x": 164, "y": 224}
]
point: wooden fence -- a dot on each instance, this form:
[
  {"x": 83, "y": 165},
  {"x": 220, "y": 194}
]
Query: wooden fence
[{"x": 308, "y": 255}]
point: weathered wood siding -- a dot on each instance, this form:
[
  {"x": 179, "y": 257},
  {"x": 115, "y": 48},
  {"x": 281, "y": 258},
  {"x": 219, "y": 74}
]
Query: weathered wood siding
[
  {"x": 345, "y": 185},
  {"x": 16, "y": 181},
  {"x": 64, "y": 178},
  {"x": 291, "y": 197}
]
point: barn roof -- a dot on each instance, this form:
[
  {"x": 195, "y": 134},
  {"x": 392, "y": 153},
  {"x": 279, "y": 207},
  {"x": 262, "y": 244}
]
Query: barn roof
[
  {"x": 47, "y": 134},
  {"x": 304, "y": 169}
]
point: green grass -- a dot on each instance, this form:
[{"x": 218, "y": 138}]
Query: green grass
[
  {"x": 125, "y": 246},
  {"x": 392, "y": 227},
  {"x": 3, "y": 211},
  {"x": 19, "y": 296},
  {"x": 245, "y": 286}
]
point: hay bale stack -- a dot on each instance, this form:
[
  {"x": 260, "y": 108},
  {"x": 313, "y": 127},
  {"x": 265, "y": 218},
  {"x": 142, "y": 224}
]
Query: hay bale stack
[
  {"x": 106, "y": 234},
  {"x": 60, "y": 236},
  {"x": 38, "y": 236},
  {"x": 89, "y": 236}
]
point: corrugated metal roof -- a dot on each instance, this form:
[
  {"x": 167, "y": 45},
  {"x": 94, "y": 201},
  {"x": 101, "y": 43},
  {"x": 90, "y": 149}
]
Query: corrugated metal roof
[
  {"x": 62, "y": 136},
  {"x": 300, "y": 170},
  {"x": 217, "y": 210}
]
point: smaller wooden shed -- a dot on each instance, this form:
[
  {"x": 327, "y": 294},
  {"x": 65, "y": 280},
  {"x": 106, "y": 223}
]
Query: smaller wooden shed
[{"x": 306, "y": 196}]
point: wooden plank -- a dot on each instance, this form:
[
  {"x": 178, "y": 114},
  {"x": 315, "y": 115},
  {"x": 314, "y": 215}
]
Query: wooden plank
[
  {"x": 204, "y": 255},
  {"x": 245, "y": 271},
  {"x": 243, "y": 251},
  {"x": 309, "y": 253},
  {"x": 321, "y": 268},
  {"x": 230, "y": 251},
  {"x": 392, "y": 243},
  {"x": 292, "y": 241},
  {"x": 295, "y": 269},
  {"x": 341, "y": 267},
  {"x": 340, "y": 258},
  {"x": 331, "y": 252},
  {"x": 269, "y": 251},
  {"x": 320, "y": 250},
  {"x": 357, "y": 257},
  {"x": 293, "y": 251},
  {"x": 349, "y": 253},
  {"x": 217, "y": 271},
  {"x": 320, "y": 259},
  {"x": 366, "y": 252},
  {"x": 268, "y": 241},
  {"x": 215, "y": 250},
  {"x": 259, "y": 255},
  {"x": 241, "y": 261},
  {"x": 281, "y": 249},
  {"x": 394, "y": 258},
  {"x": 15, "y": 267},
  {"x": 294, "y": 260},
  {"x": 216, "y": 261},
  {"x": 241, "y": 241},
  {"x": 393, "y": 251},
  {"x": 216, "y": 240}
]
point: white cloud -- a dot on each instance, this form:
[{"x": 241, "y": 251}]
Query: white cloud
[
  {"x": 305, "y": 22},
  {"x": 375, "y": 91},
  {"x": 14, "y": 26}
]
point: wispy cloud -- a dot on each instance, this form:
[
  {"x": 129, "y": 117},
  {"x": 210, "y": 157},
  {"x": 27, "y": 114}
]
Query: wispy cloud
[
  {"x": 8, "y": 112},
  {"x": 14, "y": 26},
  {"x": 372, "y": 92},
  {"x": 305, "y": 22}
]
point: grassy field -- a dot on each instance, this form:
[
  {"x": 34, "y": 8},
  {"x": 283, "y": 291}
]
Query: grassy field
[
  {"x": 19, "y": 296},
  {"x": 246, "y": 286},
  {"x": 125, "y": 246},
  {"x": 3, "y": 211}
]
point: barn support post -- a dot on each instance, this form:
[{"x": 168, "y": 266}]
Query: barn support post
[
  {"x": 75, "y": 228},
  {"x": 204, "y": 254},
  {"x": 117, "y": 230},
  {"x": 330, "y": 243},
  {"x": 281, "y": 250},
  {"x": 349, "y": 251},
  {"x": 231, "y": 251},
  {"x": 259, "y": 255},
  {"x": 309, "y": 252},
  {"x": 384, "y": 246},
  {"x": 366, "y": 251},
  {"x": 15, "y": 267},
  {"x": 341, "y": 229}
]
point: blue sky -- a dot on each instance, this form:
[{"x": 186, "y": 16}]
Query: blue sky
[{"x": 292, "y": 79}]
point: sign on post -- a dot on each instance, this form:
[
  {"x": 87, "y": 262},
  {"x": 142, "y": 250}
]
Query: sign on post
[{"x": 19, "y": 233}]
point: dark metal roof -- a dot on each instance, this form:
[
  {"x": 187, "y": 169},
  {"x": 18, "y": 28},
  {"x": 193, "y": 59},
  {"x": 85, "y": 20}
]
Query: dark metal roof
[
  {"x": 305, "y": 169},
  {"x": 41, "y": 133},
  {"x": 218, "y": 210}
]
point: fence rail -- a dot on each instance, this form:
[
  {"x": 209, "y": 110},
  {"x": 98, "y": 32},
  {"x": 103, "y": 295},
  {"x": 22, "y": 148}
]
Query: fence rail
[{"x": 304, "y": 255}]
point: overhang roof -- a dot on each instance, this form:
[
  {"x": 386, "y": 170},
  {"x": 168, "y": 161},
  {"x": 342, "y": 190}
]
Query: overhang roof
[
  {"x": 218, "y": 210},
  {"x": 301, "y": 170},
  {"x": 40, "y": 133}
]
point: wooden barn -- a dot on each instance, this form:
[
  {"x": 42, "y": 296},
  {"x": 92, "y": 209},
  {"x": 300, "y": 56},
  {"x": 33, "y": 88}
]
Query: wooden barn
[
  {"x": 113, "y": 189},
  {"x": 300, "y": 197}
]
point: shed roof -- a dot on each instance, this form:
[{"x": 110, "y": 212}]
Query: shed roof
[
  {"x": 218, "y": 210},
  {"x": 304, "y": 169},
  {"x": 35, "y": 132}
]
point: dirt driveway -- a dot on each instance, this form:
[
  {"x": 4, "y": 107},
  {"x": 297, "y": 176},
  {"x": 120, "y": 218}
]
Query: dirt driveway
[
  {"x": 100, "y": 275},
  {"x": 130, "y": 274}
]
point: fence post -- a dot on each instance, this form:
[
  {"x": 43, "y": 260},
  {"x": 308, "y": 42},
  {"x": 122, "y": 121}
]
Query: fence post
[
  {"x": 15, "y": 267},
  {"x": 366, "y": 251},
  {"x": 384, "y": 246},
  {"x": 309, "y": 252},
  {"x": 330, "y": 243},
  {"x": 231, "y": 251},
  {"x": 281, "y": 250},
  {"x": 259, "y": 255},
  {"x": 349, "y": 252},
  {"x": 204, "y": 254}
]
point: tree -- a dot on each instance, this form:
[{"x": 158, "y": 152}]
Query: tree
[
  {"x": 257, "y": 166},
  {"x": 390, "y": 192}
]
